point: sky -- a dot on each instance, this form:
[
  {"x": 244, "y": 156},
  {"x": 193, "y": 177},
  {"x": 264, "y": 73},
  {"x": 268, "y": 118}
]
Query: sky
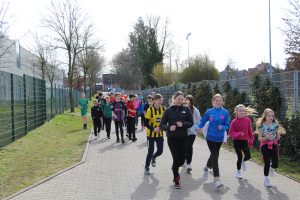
[{"x": 236, "y": 30}]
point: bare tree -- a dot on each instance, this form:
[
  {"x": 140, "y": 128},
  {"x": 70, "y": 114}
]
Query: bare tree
[
  {"x": 69, "y": 23},
  {"x": 5, "y": 43},
  {"x": 292, "y": 34}
]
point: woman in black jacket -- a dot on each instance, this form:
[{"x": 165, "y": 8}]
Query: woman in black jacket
[{"x": 175, "y": 121}]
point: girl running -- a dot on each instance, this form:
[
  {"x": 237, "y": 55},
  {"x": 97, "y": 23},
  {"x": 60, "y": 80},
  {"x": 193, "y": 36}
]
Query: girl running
[
  {"x": 154, "y": 133},
  {"x": 189, "y": 101},
  {"x": 175, "y": 121},
  {"x": 242, "y": 135},
  {"x": 269, "y": 132},
  {"x": 219, "y": 121}
]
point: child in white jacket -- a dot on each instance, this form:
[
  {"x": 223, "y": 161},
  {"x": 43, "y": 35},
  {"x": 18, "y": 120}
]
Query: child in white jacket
[{"x": 192, "y": 132}]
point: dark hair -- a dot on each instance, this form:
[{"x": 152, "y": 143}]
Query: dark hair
[
  {"x": 100, "y": 94},
  {"x": 191, "y": 99},
  {"x": 131, "y": 95},
  {"x": 157, "y": 96},
  {"x": 178, "y": 93}
]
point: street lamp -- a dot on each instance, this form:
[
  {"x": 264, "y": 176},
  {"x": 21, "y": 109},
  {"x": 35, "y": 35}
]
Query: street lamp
[{"x": 187, "y": 38}]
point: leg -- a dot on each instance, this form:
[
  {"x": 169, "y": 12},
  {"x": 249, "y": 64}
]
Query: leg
[
  {"x": 189, "y": 153},
  {"x": 246, "y": 150},
  {"x": 108, "y": 126},
  {"x": 98, "y": 126},
  {"x": 95, "y": 127},
  {"x": 274, "y": 156},
  {"x": 238, "y": 150},
  {"x": 117, "y": 129},
  {"x": 159, "y": 146},
  {"x": 214, "y": 148},
  {"x": 143, "y": 120},
  {"x": 172, "y": 143},
  {"x": 133, "y": 130},
  {"x": 121, "y": 128},
  {"x": 150, "y": 151},
  {"x": 266, "y": 155},
  {"x": 182, "y": 143}
]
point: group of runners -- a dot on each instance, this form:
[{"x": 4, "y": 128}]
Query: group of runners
[{"x": 181, "y": 122}]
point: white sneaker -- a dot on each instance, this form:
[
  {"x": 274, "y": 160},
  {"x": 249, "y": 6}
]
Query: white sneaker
[
  {"x": 188, "y": 168},
  {"x": 218, "y": 184},
  {"x": 272, "y": 172},
  {"x": 244, "y": 166},
  {"x": 238, "y": 175},
  {"x": 147, "y": 171},
  {"x": 184, "y": 165},
  {"x": 267, "y": 182},
  {"x": 205, "y": 173}
]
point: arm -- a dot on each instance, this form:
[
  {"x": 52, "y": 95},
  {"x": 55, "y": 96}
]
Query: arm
[
  {"x": 164, "y": 121},
  {"x": 204, "y": 119},
  {"x": 189, "y": 121},
  {"x": 250, "y": 131},
  {"x": 147, "y": 119},
  {"x": 226, "y": 125},
  {"x": 232, "y": 131}
]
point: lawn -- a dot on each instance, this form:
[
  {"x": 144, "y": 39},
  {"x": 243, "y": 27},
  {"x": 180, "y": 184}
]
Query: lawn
[{"x": 44, "y": 151}]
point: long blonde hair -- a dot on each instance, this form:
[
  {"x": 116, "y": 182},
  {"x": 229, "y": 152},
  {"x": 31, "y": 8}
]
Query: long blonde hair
[
  {"x": 262, "y": 119},
  {"x": 248, "y": 110}
]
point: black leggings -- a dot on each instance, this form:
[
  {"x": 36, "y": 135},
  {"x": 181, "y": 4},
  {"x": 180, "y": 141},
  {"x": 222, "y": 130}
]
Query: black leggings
[
  {"x": 159, "y": 146},
  {"x": 269, "y": 155},
  {"x": 178, "y": 149},
  {"x": 241, "y": 146},
  {"x": 142, "y": 119},
  {"x": 213, "y": 160},
  {"x": 97, "y": 126},
  {"x": 131, "y": 127},
  {"x": 189, "y": 150},
  {"x": 107, "y": 123}
]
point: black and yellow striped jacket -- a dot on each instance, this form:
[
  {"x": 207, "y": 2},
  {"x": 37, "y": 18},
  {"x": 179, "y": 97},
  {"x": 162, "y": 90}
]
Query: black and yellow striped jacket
[{"x": 152, "y": 120}]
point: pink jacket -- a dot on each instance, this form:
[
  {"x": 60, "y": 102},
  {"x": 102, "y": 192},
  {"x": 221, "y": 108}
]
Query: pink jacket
[{"x": 241, "y": 125}]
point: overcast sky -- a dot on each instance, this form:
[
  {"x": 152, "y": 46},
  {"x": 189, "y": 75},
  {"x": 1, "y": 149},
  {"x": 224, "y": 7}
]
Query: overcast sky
[{"x": 223, "y": 29}]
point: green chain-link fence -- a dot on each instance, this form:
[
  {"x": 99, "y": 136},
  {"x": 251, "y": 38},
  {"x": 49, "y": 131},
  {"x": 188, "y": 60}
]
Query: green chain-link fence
[{"x": 26, "y": 103}]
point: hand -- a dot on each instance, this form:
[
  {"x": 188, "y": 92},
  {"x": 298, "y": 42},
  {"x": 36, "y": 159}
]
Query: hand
[
  {"x": 242, "y": 134},
  {"x": 157, "y": 129},
  {"x": 224, "y": 143},
  {"x": 250, "y": 143},
  {"x": 269, "y": 136},
  {"x": 220, "y": 127},
  {"x": 172, "y": 128},
  {"x": 199, "y": 130},
  {"x": 179, "y": 124}
]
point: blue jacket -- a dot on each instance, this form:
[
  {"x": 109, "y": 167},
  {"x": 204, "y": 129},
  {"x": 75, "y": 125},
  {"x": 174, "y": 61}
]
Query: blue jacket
[{"x": 215, "y": 116}]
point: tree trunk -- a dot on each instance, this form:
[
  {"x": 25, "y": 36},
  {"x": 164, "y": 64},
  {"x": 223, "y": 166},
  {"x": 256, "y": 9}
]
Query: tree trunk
[{"x": 84, "y": 81}]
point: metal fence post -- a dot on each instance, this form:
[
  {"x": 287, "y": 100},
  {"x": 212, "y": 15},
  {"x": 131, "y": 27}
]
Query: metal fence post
[
  {"x": 296, "y": 95},
  {"x": 12, "y": 103},
  {"x": 25, "y": 104},
  {"x": 34, "y": 100}
]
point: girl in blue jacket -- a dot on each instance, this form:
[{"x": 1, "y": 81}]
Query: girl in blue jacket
[{"x": 219, "y": 122}]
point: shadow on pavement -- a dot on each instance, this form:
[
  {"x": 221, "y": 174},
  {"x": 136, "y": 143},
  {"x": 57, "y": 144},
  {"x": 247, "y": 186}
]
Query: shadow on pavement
[
  {"x": 246, "y": 188},
  {"x": 275, "y": 194},
  {"x": 147, "y": 189}
]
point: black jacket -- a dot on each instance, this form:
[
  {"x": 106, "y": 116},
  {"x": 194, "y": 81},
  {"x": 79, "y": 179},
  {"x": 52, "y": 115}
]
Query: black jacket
[
  {"x": 174, "y": 114},
  {"x": 96, "y": 112}
]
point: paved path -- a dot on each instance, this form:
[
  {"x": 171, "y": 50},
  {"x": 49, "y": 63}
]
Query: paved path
[{"x": 115, "y": 171}]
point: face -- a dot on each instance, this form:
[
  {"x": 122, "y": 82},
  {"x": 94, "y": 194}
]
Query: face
[
  {"x": 158, "y": 102},
  {"x": 187, "y": 102},
  {"x": 83, "y": 96},
  {"x": 149, "y": 100},
  {"x": 179, "y": 100},
  {"x": 117, "y": 97},
  {"x": 217, "y": 102},
  {"x": 132, "y": 99},
  {"x": 107, "y": 100},
  {"x": 270, "y": 117},
  {"x": 241, "y": 112}
]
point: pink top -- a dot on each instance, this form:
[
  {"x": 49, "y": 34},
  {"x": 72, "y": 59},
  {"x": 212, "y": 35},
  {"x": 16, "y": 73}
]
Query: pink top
[
  {"x": 136, "y": 104},
  {"x": 241, "y": 125}
]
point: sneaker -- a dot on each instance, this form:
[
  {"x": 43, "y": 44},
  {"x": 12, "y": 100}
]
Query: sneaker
[
  {"x": 238, "y": 175},
  {"x": 177, "y": 182},
  {"x": 272, "y": 172},
  {"x": 134, "y": 139},
  {"x": 267, "y": 182},
  {"x": 118, "y": 140},
  {"x": 244, "y": 166},
  {"x": 188, "y": 168},
  {"x": 123, "y": 141},
  {"x": 108, "y": 137},
  {"x": 147, "y": 171},
  {"x": 205, "y": 173},
  {"x": 153, "y": 162},
  {"x": 218, "y": 184},
  {"x": 127, "y": 135}
]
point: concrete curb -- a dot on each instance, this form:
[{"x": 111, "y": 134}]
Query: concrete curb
[{"x": 56, "y": 174}]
